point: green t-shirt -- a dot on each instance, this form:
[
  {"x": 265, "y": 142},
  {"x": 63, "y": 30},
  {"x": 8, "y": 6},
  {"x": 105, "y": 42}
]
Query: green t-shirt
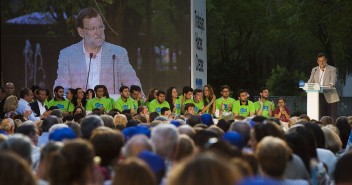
[
  {"x": 226, "y": 102},
  {"x": 178, "y": 106},
  {"x": 135, "y": 103},
  {"x": 64, "y": 105},
  {"x": 243, "y": 110},
  {"x": 197, "y": 105},
  {"x": 124, "y": 105},
  {"x": 96, "y": 103},
  {"x": 265, "y": 110},
  {"x": 111, "y": 101},
  {"x": 155, "y": 106}
]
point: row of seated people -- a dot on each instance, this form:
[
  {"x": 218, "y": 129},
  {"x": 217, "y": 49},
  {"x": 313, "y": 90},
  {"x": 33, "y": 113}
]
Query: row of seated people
[
  {"x": 197, "y": 101},
  {"x": 118, "y": 148}
]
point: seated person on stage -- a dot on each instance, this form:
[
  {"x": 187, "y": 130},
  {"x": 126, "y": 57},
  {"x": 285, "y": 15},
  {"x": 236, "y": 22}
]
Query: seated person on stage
[
  {"x": 124, "y": 102},
  {"x": 173, "y": 100},
  {"x": 243, "y": 106},
  {"x": 186, "y": 96},
  {"x": 209, "y": 99},
  {"x": 99, "y": 101},
  {"x": 225, "y": 102},
  {"x": 107, "y": 95},
  {"x": 136, "y": 95},
  {"x": 263, "y": 107},
  {"x": 93, "y": 61},
  {"x": 157, "y": 104},
  {"x": 165, "y": 112},
  {"x": 197, "y": 100},
  {"x": 281, "y": 112},
  {"x": 189, "y": 109},
  {"x": 59, "y": 101}
]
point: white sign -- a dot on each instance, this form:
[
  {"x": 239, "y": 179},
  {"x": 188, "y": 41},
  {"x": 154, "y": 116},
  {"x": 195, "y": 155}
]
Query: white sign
[{"x": 198, "y": 44}]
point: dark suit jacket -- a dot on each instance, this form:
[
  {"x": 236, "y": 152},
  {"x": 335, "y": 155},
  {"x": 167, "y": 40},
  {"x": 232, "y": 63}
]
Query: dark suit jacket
[{"x": 35, "y": 108}]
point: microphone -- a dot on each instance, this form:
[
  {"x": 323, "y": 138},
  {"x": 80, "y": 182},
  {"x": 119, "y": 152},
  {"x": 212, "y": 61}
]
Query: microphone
[
  {"x": 113, "y": 71},
  {"x": 90, "y": 61},
  {"x": 313, "y": 74}
]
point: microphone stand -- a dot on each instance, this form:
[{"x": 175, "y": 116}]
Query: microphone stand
[
  {"x": 90, "y": 61},
  {"x": 113, "y": 71}
]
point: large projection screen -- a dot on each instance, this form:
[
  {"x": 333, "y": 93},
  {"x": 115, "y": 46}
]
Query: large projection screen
[{"x": 158, "y": 46}]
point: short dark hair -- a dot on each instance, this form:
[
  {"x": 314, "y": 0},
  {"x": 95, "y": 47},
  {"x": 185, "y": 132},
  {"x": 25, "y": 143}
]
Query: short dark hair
[
  {"x": 320, "y": 55},
  {"x": 160, "y": 92},
  {"x": 224, "y": 87},
  {"x": 48, "y": 122},
  {"x": 38, "y": 90},
  {"x": 152, "y": 116},
  {"x": 242, "y": 91},
  {"x": 98, "y": 87},
  {"x": 28, "y": 129},
  {"x": 187, "y": 89},
  {"x": 88, "y": 12},
  {"x": 197, "y": 91},
  {"x": 163, "y": 110},
  {"x": 189, "y": 105},
  {"x": 123, "y": 88},
  {"x": 280, "y": 98},
  {"x": 56, "y": 89},
  {"x": 263, "y": 89},
  {"x": 24, "y": 92},
  {"x": 34, "y": 88},
  {"x": 90, "y": 123},
  {"x": 135, "y": 88}
]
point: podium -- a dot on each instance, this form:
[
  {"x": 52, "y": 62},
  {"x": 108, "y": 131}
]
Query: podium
[{"x": 313, "y": 90}]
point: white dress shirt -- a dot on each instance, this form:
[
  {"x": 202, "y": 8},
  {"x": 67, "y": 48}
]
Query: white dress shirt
[{"x": 94, "y": 73}]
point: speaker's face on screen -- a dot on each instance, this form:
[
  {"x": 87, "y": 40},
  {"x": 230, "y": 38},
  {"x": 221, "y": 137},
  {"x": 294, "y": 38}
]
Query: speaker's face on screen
[{"x": 93, "y": 32}]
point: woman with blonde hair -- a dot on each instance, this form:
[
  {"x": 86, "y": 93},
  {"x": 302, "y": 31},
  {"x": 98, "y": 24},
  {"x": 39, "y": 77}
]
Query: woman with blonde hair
[
  {"x": 332, "y": 140},
  {"x": 10, "y": 106},
  {"x": 120, "y": 119}
]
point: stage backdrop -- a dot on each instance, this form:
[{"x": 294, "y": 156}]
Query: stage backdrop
[{"x": 159, "y": 47}]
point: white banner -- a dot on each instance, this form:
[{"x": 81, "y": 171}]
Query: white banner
[{"x": 198, "y": 44}]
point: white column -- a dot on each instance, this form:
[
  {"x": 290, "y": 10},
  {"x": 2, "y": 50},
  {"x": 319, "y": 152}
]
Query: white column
[{"x": 313, "y": 104}]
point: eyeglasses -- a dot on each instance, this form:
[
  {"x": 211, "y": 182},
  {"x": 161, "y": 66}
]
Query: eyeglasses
[{"x": 95, "y": 29}]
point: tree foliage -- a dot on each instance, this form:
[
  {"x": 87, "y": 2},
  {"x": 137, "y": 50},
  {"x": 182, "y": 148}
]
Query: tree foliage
[
  {"x": 282, "y": 79},
  {"x": 247, "y": 39}
]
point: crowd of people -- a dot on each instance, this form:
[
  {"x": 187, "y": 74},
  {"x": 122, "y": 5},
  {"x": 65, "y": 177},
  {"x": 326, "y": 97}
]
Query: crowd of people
[{"x": 87, "y": 137}]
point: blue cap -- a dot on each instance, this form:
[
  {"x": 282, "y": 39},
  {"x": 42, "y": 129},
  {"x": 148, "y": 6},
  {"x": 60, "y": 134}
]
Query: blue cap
[
  {"x": 155, "y": 162},
  {"x": 234, "y": 138},
  {"x": 207, "y": 119},
  {"x": 62, "y": 133},
  {"x": 176, "y": 123},
  {"x": 3, "y": 132},
  {"x": 132, "y": 131}
]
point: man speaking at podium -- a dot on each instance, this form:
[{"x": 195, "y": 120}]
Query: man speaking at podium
[
  {"x": 93, "y": 61},
  {"x": 325, "y": 75}
]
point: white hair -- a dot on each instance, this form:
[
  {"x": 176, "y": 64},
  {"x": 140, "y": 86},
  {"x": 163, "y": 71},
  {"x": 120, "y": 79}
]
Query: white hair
[{"x": 165, "y": 139}]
